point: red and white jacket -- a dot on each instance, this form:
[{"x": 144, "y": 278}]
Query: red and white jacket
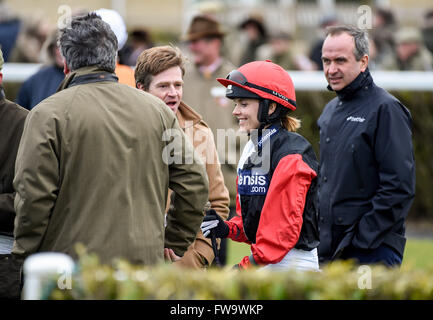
[{"x": 276, "y": 197}]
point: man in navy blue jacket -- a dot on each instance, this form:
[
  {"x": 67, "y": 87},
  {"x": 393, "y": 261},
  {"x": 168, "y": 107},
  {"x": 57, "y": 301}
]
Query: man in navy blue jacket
[
  {"x": 367, "y": 167},
  {"x": 46, "y": 81}
]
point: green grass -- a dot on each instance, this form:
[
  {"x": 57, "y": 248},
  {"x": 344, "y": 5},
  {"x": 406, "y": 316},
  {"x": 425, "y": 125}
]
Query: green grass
[
  {"x": 418, "y": 253},
  {"x": 236, "y": 251}
]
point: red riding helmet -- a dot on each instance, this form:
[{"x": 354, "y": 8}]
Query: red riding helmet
[{"x": 261, "y": 79}]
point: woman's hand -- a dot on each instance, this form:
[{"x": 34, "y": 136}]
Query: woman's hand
[{"x": 212, "y": 223}]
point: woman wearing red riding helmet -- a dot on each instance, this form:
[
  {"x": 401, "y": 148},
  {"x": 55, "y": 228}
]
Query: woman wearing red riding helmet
[{"x": 277, "y": 185}]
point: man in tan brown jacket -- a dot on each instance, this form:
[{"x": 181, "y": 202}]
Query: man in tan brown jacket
[
  {"x": 94, "y": 163},
  {"x": 160, "y": 71}
]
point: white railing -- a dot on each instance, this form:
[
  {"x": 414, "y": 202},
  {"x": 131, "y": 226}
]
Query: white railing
[
  {"x": 303, "y": 80},
  {"x": 389, "y": 80},
  {"x": 19, "y": 72}
]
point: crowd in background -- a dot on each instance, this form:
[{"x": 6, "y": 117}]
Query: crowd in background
[{"x": 393, "y": 46}]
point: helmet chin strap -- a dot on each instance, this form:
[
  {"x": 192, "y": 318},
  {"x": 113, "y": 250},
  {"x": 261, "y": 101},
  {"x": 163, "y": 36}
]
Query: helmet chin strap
[{"x": 263, "y": 114}]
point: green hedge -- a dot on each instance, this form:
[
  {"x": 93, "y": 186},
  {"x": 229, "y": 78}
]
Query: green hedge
[
  {"x": 340, "y": 280},
  {"x": 420, "y": 104}
]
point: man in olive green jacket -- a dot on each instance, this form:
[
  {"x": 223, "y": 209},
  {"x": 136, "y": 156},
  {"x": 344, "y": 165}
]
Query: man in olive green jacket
[{"x": 96, "y": 160}]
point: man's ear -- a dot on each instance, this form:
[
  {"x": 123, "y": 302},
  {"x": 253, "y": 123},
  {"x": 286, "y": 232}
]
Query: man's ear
[
  {"x": 364, "y": 62},
  {"x": 66, "y": 70},
  {"x": 139, "y": 86},
  {"x": 1, "y": 78}
]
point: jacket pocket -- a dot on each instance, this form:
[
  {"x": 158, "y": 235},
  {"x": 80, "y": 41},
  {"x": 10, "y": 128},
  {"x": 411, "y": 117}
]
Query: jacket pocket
[
  {"x": 348, "y": 215},
  {"x": 345, "y": 224}
]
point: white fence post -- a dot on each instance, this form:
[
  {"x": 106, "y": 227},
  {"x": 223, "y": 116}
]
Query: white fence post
[{"x": 42, "y": 267}]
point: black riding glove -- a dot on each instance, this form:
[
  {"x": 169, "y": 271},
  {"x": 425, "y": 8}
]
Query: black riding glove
[{"x": 212, "y": 223}]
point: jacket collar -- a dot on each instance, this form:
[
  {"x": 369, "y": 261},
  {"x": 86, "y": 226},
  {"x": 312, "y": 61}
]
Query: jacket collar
[
  {"x": 264, "y": 135},
  {"x": 363, "y": 80},
  {"x": 77, "y": 73},
  {"x": 186, "y": 116}
]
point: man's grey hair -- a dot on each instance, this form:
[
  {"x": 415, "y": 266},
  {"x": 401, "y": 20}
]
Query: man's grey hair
[
  {"x": 88, "y": 41},
  {"x": 359, "y": 35}
]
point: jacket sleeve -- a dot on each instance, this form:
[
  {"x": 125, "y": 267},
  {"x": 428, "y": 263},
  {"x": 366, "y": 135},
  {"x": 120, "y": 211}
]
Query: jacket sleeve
[
  {"x": 15, "y": 125},
  {"x": 281, "y": 218},
  {"x": 204, "y": 144},
  {"x": 218, "y": 193},
  {"x": 203, "y": 141},
  {"x": 36, "y": 181},
  {"x": 7, "y": 212},
  {"x": 187, "y": 178},
  {"x": 396, "y": 167},
  {"x": 236, "y": 230}
]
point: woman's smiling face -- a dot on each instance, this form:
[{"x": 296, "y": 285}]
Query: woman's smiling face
[{"x": 246, "y": 111}]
